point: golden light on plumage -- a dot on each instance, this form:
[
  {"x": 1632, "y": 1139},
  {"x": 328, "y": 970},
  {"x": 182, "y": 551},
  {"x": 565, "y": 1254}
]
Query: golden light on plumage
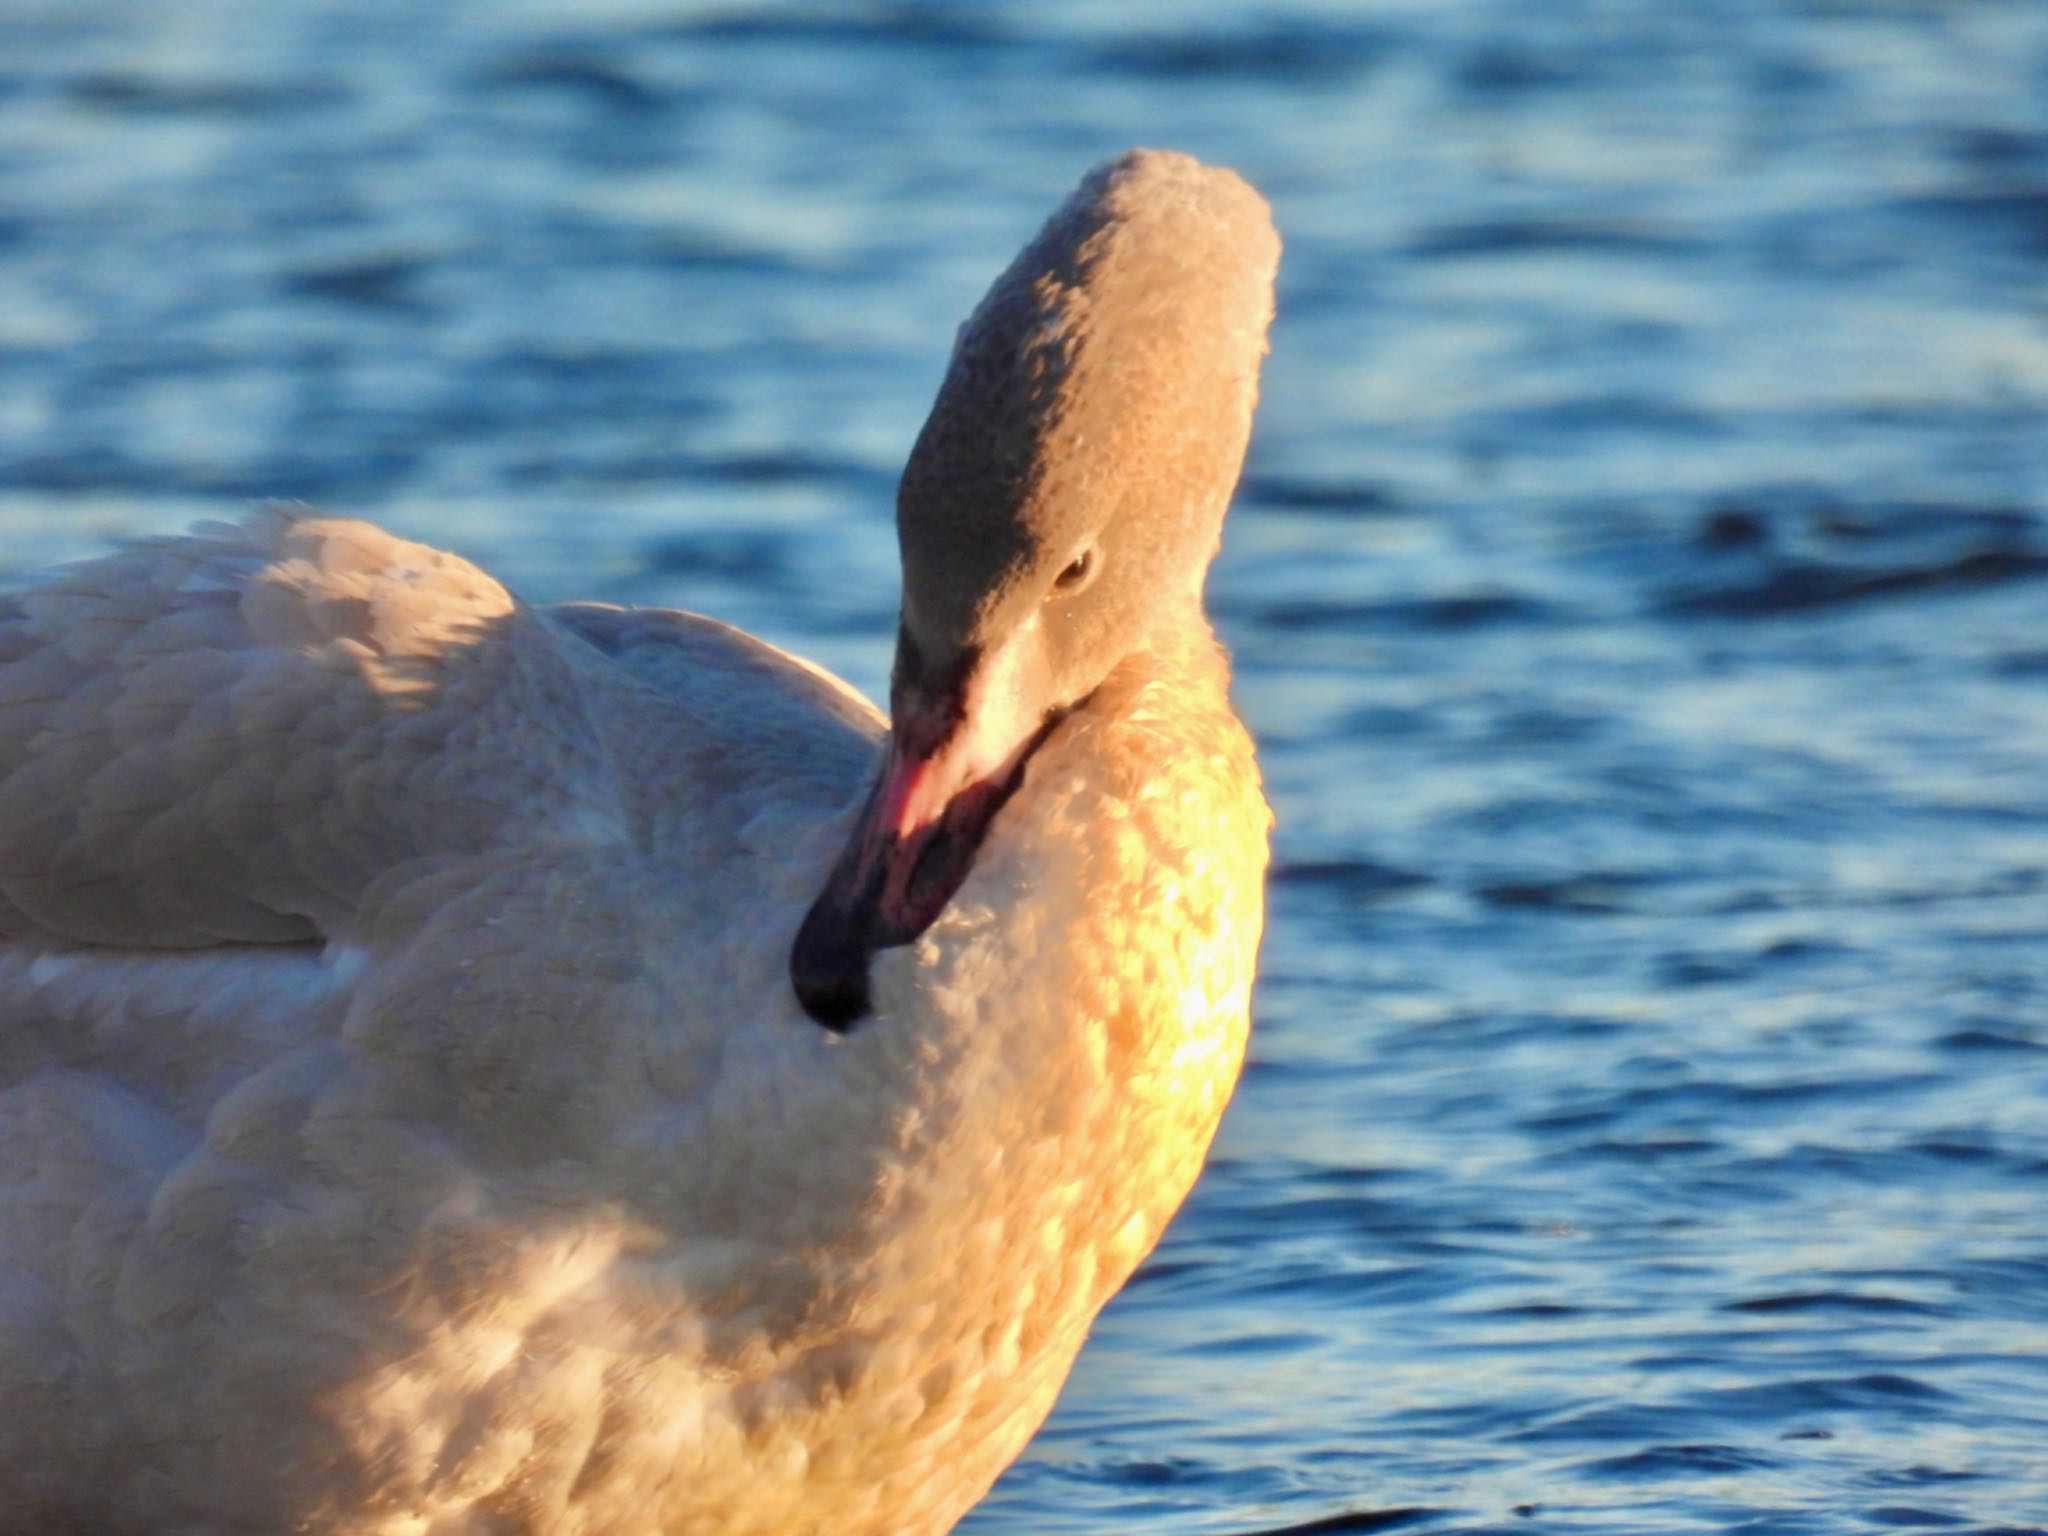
[{"x": 407, "y": 1123}]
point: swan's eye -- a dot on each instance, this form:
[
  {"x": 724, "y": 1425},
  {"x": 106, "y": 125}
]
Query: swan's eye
[{"x": 1076, "y": 575}]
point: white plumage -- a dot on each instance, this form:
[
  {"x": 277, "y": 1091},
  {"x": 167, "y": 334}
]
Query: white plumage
[{"x": 407, "y": 1124}]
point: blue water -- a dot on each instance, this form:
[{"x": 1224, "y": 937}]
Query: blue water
[{"x": 1640, "y": 589}]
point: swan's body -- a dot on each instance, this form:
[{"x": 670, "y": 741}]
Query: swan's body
[{"x": 407, "y": 1124}]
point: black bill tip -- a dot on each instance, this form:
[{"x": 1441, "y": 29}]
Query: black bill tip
[{"x": 828, "y": 965}]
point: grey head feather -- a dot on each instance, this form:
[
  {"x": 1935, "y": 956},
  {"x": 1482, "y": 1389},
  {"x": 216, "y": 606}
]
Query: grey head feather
[{"x": 1099, "y": 400}]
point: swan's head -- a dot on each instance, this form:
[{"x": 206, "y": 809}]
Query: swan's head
[{"x": 1063, "y": 501}]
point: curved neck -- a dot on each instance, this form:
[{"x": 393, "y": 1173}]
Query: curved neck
[
  {"x": 1076, "y": 1024},
  {"x": 1099, "y": 962}
]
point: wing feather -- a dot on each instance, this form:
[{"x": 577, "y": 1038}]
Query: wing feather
[{"x": 229, "y": 737}]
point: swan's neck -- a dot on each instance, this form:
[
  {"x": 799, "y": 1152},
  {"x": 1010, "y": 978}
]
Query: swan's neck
[
  {"x": 1074, "y": 1026},
  {"x": 1152, "y": 824},
  {"x": 1100, "y": 960}
]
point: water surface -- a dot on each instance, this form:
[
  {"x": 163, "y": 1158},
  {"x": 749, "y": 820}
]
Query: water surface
[{"x": 1640, "y": 588}]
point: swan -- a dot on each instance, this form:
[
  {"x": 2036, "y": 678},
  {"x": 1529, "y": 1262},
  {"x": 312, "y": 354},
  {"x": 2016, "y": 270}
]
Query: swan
[{"x": 470, "y": 1069}]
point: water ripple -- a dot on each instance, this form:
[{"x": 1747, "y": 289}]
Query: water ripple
[{"x": 1636, "y": 586}]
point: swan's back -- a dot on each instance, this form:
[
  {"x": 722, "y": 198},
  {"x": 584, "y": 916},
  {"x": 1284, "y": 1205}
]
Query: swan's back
[{"x": 219, "y": 738}]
